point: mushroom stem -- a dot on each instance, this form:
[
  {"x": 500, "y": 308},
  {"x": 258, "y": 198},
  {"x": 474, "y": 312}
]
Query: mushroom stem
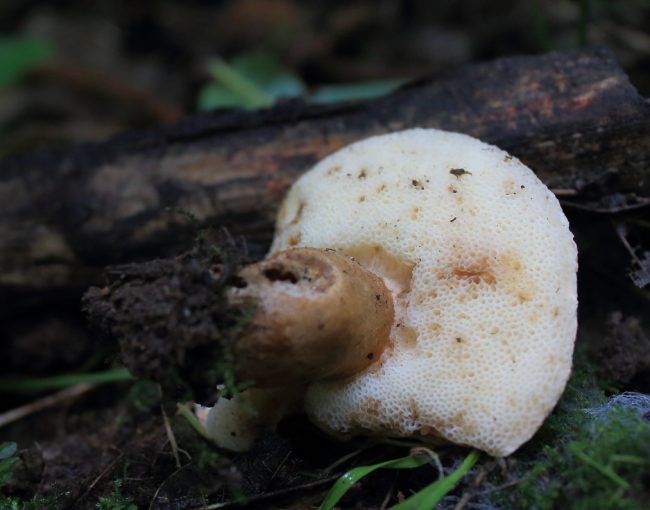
[{"x": 319, "y": 315}]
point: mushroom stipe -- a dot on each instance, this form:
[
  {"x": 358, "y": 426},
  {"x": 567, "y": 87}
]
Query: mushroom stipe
[{"x": 381, "y": 316}]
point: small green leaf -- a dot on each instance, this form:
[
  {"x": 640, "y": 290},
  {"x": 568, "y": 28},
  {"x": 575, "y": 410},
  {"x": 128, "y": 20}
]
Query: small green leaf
[
  {"x": 416, "y": 459},
  {"x": 19, "y": 55},
  {"x": 213, "y": 96},
  {"x": 5, "y": 470},
  {"x": 250, "y": 95},
  {"x": 7, "y": 450},
  {"x": 267, "y": 72},
  {"x": 250, "y": 80},
  {"x": 431, "y": 495},
  {"x": 352, "y": 91}
]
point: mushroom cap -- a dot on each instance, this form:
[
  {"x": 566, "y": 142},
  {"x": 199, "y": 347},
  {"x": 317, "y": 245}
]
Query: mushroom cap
[{"x": 482, "y": 266}]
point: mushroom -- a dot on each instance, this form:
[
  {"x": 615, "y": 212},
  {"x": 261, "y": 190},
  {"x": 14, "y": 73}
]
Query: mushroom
[
  {"x": 459, "y": 274},
  {"x": 319, "y": 315}
]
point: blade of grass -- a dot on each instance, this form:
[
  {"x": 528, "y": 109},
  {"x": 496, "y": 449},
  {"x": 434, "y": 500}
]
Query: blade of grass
[
  {"x": 630, "y": 459},
  {"x": 606, "y": 471},
  {"x": 40, "y": 404},
  {"x": 539, "y": 26},
  {"x": 343, "y": 484},
  {"x": 64, "y": 380},
  {"x": 236, "y": 83},
  {"x": 583, "y": 23},
  {"x": 429, "y": 497},
  {"x": 355, "y": 91},
  {"x": 192, "y": 420}
]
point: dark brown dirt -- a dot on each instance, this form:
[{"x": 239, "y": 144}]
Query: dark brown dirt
[
  {"x": 100, "y": 439},
  {"x": 624, "y": 353},
  {"x": 170, "y": 316}
]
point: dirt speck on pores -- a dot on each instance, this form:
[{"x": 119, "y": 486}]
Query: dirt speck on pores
[{"x": 459, "y": 172}]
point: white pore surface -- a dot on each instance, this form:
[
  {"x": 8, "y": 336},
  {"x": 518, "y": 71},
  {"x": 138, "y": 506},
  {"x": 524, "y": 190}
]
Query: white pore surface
[{"x": 492, "y": 298}]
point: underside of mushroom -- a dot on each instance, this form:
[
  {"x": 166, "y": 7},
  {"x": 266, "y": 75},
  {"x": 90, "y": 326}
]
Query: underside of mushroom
[{"x": 420, "y": 284}]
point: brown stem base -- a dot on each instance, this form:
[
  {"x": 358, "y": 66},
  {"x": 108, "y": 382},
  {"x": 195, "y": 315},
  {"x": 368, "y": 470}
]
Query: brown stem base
[{"x": 319, "y": 315}]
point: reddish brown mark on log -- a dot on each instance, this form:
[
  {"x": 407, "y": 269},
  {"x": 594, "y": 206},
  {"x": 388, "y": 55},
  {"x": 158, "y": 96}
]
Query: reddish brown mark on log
[{"x": 278, "y": 185}]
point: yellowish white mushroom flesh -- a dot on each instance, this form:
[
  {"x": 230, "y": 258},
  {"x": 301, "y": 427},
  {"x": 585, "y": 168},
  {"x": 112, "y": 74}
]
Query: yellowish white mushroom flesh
[
  {"x": 482, "y": 268},
  {"x": 235, "y": 423}
]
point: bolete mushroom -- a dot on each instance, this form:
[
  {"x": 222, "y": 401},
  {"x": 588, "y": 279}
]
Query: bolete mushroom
[{"x": 420, "y": 284}]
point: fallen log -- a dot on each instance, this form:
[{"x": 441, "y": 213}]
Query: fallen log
[{"x": 67, "y": 212}]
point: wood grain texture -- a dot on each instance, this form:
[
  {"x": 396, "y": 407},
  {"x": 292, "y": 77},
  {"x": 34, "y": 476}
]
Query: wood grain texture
[{"x": 67, "y": 212}]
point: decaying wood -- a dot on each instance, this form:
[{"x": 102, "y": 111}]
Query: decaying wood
[{"x": 68, "y": 212}]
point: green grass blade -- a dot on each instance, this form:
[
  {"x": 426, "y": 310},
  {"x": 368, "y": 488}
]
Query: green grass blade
[
  {"x": 64, "y": 380},
  {"x": 583, "y": 23},
  {"x": 250, "y": 80},
  {"x": 346, "y": 481},
  {"x": 237, "y": 84},
  {"x": 606, "y": 471},
  {"x": 356, "y": 91},
  {"x": 630, "y": 459},
  {"x": 192, "y": 420},
  {"x": 540, "y": 27},
  {"x": 431, "y": 495}
]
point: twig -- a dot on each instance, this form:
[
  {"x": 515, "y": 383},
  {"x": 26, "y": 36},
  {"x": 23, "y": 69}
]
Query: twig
[
  {"x": 435, "y": 459},
  {"x": 43, "y": 403},
  {"x": 643, "y": 202},
  {"x": 155, "y": 495},
  {"x": 99, "y": 82},
  {"x": 620, "y": 230},
  {"x": 561, "y": 192},
  {"x": 389, "y": 493},
  {"x": 169, "y": 431},
  {"x": 101, "y": 475},
  {"x": 501, "y": 487},
  {"x": 343, "y": 459},
  {"x": 281, "y": 492},
  {"x": 180, "y": 450},
  {"x": 468, "y": 494},
  {"x": 464, "y": 499},
  {"x": 286, "y": 457}
]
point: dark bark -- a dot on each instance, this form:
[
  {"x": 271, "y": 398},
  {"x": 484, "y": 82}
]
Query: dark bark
[{"x": 67, "y": 212}]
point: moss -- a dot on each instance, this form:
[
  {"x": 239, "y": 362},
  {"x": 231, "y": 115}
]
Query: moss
[
  {"x": 226, "y": 366},
  {"x": 116, "y": 500},
  {"x": 143, "y": 395},
  {"x": 35, "y": 503},
  {"x": 606, "y": 467},
  {"x": 580, "y": 462}
]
